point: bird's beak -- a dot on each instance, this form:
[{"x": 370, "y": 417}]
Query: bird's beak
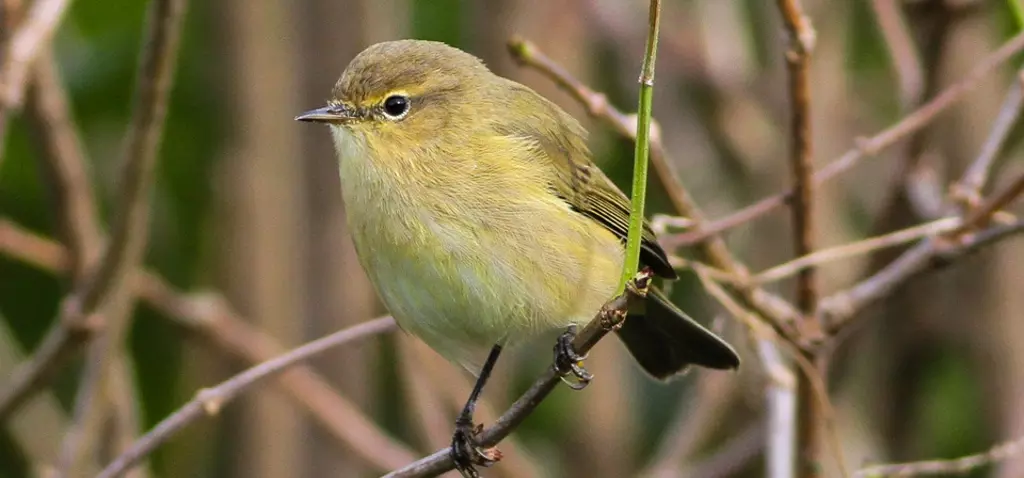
[{"x": 331, "y": 114}]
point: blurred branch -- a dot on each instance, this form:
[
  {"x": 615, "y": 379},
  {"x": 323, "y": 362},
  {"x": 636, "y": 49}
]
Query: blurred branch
[
  {"x": 774, "y": 369},
  {"x": 64, "y": 163},
  {"x": 732, "y": 456},
  {"x": 865, "y": 147},
  {"x": 606, "y": 320},
  {"x": 969, "y": 189},
  {"x": 29, "y": 40},
  {"x": 838, "y": 309},
  {"x": 865, "y": 246},
  {"x": 809, "y": 416},
  {"x": 209, "y": 401},
  {"x": 211, "y": 319},
  {"x": 801, "y": 43},
  {"x": 693, "y": 423},
  {"x": 108, "y": 290},
  {"x": 959, "y": 466},
  {"x": 905, "y": 57}
]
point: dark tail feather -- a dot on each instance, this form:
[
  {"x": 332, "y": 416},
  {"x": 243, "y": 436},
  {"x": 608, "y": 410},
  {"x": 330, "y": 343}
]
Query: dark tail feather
[{"x": 665, "y": 341}]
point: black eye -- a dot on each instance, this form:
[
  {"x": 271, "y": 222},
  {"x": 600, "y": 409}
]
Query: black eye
[{"x": 396, "y": 106}]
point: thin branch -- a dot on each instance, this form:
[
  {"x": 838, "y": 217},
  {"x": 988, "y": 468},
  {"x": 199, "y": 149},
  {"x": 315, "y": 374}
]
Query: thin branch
[
  {"x": 209, "y": 401},
  {"x": 969, "y": 189},
  {"x": 905, "y": 58},
  {"x": 693, "y": 423},
  {"x": 732, "y": 456},
  {"x": 607, "y": 319},
  {"x": 26, "y": 44},
  {"x": 838, "y": 309},
  {"x": 64, "y": 163},
  {"x": 853, "y": 249},
  {"x": 959, "y": 466},
  {"x": 808, "y": 369},
  {"x": 108, "y": 290},
  {"x": 978, "y": 217},
  {"x": 864, "y": 148},
  {"x": 211, "y": 319}
]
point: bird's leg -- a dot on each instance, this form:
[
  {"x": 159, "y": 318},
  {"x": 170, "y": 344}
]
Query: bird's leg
[
  {"x": 567, "y": 361},
  {"x": 465, "y": 449}
]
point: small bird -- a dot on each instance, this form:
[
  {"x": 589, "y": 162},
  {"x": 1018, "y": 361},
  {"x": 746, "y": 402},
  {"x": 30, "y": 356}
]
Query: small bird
[{"x": 481, "y": 220}]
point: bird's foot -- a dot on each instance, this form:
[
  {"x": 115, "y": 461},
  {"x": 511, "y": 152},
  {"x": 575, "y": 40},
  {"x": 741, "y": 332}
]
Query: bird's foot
[
  {"x": 568, "y": 362},
  {"x": 466, "y": 450}
]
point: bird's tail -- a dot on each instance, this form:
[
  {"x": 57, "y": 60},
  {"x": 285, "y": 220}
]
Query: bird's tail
[{"x": 665, "y": 341}]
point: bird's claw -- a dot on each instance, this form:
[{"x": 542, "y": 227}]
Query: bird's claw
[
  {"x": 466, "y": 451},
  {"x": 568, "y": 362}
]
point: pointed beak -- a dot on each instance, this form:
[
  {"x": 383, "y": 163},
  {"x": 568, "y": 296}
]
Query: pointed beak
[{"x": 332, "y": 114}]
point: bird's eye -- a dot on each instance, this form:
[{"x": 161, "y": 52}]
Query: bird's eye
[{"x": 396, "y": 106}]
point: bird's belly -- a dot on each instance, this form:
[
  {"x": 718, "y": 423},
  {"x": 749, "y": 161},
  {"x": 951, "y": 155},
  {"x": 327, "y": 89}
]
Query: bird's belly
[{"x": 464, "y": 287}]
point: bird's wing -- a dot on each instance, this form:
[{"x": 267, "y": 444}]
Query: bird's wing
[{"x": 579, "y": 182}]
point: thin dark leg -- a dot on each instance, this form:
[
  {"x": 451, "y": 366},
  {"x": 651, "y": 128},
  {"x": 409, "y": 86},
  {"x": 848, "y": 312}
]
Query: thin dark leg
[
  {"x": 567, "y": 361},
  {"x": 465, "y": 450}
]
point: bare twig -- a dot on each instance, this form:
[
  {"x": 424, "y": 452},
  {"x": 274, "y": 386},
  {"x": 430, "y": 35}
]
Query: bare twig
[
  {"x": 213, "y": 320},
  {"x": 693, "y": 423},
  {"x": 905, "y": 58},
  {"x": 958, "y": 466},
  {"x": 607, "y": 319},
  {"x": 838, "y": 309},
  {"x": 732, "y": 456},
  {"x": 209, "y": 401},
  {"x": 977, "y": 175},
  {"x": 65, "y": 166},
  {"x": 108, "y": 290},
  {"x": 761, "y": 331},
  {"x": 801, "y": 43},
  {"x": 809, "y": 416},
  {"x": 978, "y": 217},
  {"x": 861, "y": 247},
  {"x": 865, "y": 147},
  {"x": 34, "y": 32}
]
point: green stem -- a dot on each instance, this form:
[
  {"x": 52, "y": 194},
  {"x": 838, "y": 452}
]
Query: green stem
[
  {"x": 643, "y": 139},
  {"x": 1017, "y": 12}
]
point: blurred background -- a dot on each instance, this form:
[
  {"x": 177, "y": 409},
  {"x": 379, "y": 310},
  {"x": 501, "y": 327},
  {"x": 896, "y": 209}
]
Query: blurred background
[{"x": 247, "y": 204}]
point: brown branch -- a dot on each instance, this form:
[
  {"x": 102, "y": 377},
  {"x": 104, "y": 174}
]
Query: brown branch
[
  {"x": 809, "y": 446},
  {"x": 209, "y": 401},
  {"x": 959, "y": 466},
  {"x": 864, "y": 148},
  {"x": 34, "y": 32},
  {"x": 838, "y": 309},
  {"x": 801, "y": 42},
  {"x": 980, "y": 216},
  {"x": 905, "y": 58},
  {"x": 693, "y": 423},
  {"x": 730, "y": 458},
  {"x": 64, "y": 165},
  {"x": 107, "y": 290},
  {"x": 977, "y": 174},
  {"x": 214, "y": 321},
  {"x": 607, "y": 319},
  {"x": 853, "y": 249},
  {"x": 776, "y": 310}
]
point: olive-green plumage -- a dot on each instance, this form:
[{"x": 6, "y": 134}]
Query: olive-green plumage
[{"x": 478, "y": 215}]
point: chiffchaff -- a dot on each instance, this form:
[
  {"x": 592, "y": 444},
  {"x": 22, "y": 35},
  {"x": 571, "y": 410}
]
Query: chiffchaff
[{"x": 479, "y": 216}]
